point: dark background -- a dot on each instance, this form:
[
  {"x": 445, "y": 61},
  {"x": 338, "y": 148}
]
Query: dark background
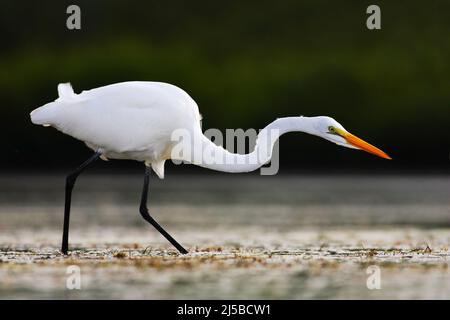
[{"x": 245, "y": 63}]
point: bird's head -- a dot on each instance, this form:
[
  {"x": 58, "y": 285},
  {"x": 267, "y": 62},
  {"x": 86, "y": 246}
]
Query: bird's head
[{"x": 333, "y": 131}]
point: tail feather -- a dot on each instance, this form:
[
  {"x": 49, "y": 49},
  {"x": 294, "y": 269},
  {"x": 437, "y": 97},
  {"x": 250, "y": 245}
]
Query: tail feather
[{"x": 65, "y": 91}]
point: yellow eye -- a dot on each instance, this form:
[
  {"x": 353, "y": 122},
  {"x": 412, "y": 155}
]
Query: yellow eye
[{"x": 331, "y": 129}]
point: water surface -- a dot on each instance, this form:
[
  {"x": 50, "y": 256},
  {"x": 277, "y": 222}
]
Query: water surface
[{"x": 249, "y": 237}]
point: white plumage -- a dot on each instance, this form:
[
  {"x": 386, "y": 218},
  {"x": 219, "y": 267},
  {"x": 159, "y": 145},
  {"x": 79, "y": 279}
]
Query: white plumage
[
  {"x": 129, "y": 120},
  {"x": 136, "y": 120}
]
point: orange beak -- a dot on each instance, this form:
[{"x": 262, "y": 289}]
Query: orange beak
[{"x": 361, "y": 144}]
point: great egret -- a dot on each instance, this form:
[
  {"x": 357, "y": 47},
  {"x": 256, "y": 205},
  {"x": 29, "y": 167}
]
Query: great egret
[{"x": 136, "y": 120}]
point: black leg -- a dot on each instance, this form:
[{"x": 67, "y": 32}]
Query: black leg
[
  {"x": 70, "y": 182},
  {"x": 144, "y": 212}
]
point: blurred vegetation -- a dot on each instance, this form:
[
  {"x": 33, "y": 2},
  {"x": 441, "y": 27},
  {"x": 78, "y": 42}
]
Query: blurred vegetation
[{"x": 245, "y": 64}]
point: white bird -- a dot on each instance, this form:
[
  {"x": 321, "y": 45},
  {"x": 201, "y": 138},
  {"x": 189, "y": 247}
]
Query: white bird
[{"x": 137, "y": 120}]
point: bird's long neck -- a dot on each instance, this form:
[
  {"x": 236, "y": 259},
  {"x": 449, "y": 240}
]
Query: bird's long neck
[{"x": 217, "y": 158}]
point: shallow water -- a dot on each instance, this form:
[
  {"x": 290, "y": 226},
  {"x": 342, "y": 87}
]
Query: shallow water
[{"x": 248, "y": 237}]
